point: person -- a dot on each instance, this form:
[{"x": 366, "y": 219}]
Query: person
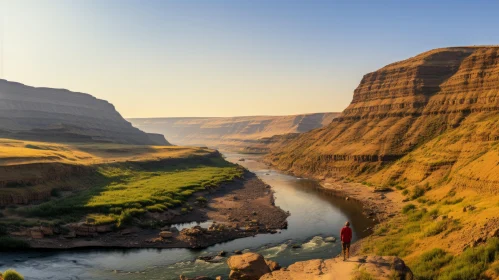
[{"x": 346, "y": 238}]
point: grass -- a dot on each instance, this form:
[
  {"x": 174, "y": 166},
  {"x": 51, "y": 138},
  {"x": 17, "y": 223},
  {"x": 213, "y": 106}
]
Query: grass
[
  {"x": 119, "y": 192},
  {"x": 14, "y": 152}
]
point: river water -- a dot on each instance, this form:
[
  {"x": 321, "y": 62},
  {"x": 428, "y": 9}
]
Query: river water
[{"x": 314, "y": 216}]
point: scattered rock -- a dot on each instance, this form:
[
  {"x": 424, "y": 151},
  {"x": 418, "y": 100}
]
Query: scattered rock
[{"x": 249, "y": 266}]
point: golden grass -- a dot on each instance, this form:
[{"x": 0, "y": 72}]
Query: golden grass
[{"x": 13, "y": 152}]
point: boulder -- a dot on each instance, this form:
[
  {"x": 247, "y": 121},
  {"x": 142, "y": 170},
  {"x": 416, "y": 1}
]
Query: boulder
[
  {"x": 248, "y": 266},
  {"x": 273, "y": 266}
]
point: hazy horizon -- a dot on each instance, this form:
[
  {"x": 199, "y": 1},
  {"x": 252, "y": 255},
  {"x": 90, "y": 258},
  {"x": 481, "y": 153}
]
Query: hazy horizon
[{"x": 225, "y": 58}]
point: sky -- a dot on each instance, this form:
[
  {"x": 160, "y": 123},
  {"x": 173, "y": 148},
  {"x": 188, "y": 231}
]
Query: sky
[{"x": 203, "y": 58}]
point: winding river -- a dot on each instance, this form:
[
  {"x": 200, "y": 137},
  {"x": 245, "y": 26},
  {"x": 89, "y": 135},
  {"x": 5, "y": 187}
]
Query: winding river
[{"x": 314, "y": 216}]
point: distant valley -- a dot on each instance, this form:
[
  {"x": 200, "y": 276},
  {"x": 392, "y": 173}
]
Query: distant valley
[{"x": 232, "y": 133}]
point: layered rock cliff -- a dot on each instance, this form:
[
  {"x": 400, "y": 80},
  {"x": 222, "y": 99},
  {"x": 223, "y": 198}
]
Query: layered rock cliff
[
  {"x": 59, "y": 115},
  {"x": 233, "y": 132},
  {"x": 435, "y": 116}
]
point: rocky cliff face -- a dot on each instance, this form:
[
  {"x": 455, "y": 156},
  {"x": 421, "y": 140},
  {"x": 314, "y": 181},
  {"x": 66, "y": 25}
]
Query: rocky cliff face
[
  {"x": 432, "y": 114},
  {"x": 60, "y": 115},
  {"x": 231, "y": 132}
]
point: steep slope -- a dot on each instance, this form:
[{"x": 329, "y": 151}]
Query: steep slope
[
  {"x": 399, "y": 108},
  {"x": 60, "y": 115},
  {"x": 234, "y": 132}
]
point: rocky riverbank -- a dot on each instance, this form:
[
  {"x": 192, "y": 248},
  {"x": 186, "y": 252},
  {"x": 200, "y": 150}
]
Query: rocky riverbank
[{"x": 239, "y": 209}]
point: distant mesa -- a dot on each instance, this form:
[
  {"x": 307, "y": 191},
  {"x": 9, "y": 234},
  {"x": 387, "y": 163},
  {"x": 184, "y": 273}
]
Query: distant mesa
[
  {"x": 59, "y": 115},
  {"x": 231, "y": 132}
]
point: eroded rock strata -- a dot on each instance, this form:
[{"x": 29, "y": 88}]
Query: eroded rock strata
[
  {"x": 58, "y": 115},
  {"x": 434, "y": 115}
]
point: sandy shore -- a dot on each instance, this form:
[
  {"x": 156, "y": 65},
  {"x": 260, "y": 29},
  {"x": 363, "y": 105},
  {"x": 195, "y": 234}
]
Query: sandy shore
[{"x": 238, "y": 209}]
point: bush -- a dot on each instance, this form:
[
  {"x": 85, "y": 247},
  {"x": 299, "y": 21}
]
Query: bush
[
  {"x": 417, "y": 192},
  {"x": 436, "y": 228},
  {"x": 472, "y": 262},
  {"x": 428, "y": 265},
  {"x": 201, "y": 199},
  {"x": 408, "y": 207},
  {"x": 12, "y": 275}
]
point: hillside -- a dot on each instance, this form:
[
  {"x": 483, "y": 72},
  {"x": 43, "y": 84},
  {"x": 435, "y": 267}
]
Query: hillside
[
  {"x": 427, "y": 127},
  {"x": 440, "y": 105},
  {"x": 231, "y": 132},
  {"x": 58, "y": 115}
]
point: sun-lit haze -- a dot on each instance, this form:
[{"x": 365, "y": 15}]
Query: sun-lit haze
[{"x": 225, "y": 58}]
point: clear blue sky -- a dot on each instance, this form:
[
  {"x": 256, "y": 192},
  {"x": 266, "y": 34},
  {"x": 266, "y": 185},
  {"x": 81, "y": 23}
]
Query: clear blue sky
[{"x": 225, "y": 58}]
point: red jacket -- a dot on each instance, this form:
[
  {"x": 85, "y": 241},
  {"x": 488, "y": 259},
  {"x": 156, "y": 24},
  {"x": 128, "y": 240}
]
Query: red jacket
[{"x": 346, "y": 234}]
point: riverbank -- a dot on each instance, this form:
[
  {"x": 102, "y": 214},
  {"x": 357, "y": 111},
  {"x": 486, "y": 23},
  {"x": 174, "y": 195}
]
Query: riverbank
[{"x": 237, "y": 209}]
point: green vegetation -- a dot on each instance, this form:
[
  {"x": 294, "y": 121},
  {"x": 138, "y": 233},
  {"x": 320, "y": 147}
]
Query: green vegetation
[
  {"x": 471, "y": 264},
  {"x": 122, "y": 191},
  {"x": 11, "y": 275},
  {"x": 408, "y": 207}
]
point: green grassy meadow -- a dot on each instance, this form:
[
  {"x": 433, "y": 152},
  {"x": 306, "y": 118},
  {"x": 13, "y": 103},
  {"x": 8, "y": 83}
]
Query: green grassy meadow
[{"x": 117, "y": 192}]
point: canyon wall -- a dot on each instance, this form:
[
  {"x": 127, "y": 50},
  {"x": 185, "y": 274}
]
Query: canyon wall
[
  {"x": 231, "y": 132},
  {"x": 431, "y": 117},
  {"x": 58, "y": 115}
]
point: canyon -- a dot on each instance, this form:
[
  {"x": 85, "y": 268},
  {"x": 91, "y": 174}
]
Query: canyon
[
  {"x": 417, "y": 120},
  {"x": 59, "y": 115},
  {"x": 249, "y": 134}
]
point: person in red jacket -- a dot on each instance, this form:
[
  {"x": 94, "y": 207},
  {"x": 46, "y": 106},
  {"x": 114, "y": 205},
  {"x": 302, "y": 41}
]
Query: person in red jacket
[{"x": 346, "y": 238}]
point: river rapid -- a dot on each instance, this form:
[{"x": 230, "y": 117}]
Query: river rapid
[{"x": 314, "y": 215}]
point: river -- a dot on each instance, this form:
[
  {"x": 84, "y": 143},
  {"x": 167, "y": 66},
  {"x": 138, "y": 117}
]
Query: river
[{"x": 314, "y": 216}]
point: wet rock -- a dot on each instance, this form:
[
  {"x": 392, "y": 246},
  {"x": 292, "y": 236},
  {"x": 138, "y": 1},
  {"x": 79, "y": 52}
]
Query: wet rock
[
  {"x": 238, "y": 252},
  {"x": 222, "y": 253},
  {"x": 330, "y": 239},
  {"x": 249, "y": 266},
  {"x": 296, "y": 246}
]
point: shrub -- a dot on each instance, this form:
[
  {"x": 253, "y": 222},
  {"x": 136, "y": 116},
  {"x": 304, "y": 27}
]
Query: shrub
[
  {"x": 156, "y": 208},
  {"x": 405, "y": 192},
  {"x": 436, "y": 228},
  {"x": 201, "y": 199},
  {"x": 472, "y": 262},
  {"x": 408, "y": 207},
  {"x": 417, "y": 192},
  {"x": 12, "y": 275},
  {"x": 428, "y": 265},
  {"x": 184, "y": 210}
]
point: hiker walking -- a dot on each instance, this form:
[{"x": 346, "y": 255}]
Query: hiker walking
[{"x": 346, "y": 238}]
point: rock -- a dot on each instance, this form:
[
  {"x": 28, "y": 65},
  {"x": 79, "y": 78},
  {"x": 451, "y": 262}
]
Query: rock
[
  {"x": 173, "y": 229},
  {"x": 248, "y": 266},
  {"x": 166, "y": 234},
  {"x": 347, "y": 198},
  {"x": 378, "y": 267},
  {"x": 36, "y": 234},
  {"x": 47, "y": 230},
  {"x": 222, "y": 253},
  {"x": 238, "y": 252},
  {"x": 182, "y": 277},
  {"x": 330, "y": 239},
  {"x": 296, "y": 246},
  {"x": 104, "y": 228},
  {"x": 273, "y": 265}
]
